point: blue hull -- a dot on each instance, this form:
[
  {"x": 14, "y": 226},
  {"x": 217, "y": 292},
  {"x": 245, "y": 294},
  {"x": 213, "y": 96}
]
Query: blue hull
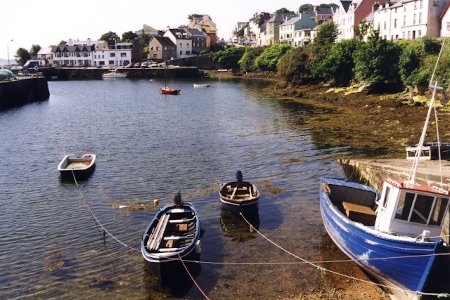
[{"x": 405, "y": 275}]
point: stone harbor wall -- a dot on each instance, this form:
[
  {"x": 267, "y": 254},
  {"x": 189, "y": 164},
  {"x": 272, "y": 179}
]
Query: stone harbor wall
[{"x": 19, "y": 92}]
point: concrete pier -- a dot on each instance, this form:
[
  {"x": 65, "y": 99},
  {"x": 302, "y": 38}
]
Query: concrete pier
[{"x": 374, "y": 171}]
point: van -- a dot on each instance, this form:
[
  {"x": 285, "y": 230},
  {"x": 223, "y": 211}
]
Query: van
[{"x": 34, "y": 64}]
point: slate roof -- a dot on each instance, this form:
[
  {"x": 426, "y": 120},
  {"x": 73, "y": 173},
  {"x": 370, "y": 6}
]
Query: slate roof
[
  {"x": 179, "y": 34},
  {"x": 195, "y": 32},
  {"x": 164, "y": 41}
]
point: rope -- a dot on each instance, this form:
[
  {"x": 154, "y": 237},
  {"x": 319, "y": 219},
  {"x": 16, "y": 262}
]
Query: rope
[
  {"x": 96, "y": 219},
  {"x": 192, "y": 277},
  {"x": 337, "y": 273}
]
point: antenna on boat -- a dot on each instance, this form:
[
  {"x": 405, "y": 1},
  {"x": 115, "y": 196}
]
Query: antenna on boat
[{"x": 434, "y": 87}]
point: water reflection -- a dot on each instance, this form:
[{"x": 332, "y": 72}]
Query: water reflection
[
  {"x": 174, "y": 277},
  {"x": 235, "y": 227}
]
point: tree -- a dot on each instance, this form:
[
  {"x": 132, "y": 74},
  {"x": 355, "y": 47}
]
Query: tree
[
  {"x": 22, "y": 55},
  {"x": 247, "y": 61},
  {"x": 230, "y": 57},
  {"x": 364, "y": 28},
  {"x": 376, "y": 63},
  {"x": 34, "y": 50},
  {"x": 268, "y": 60},
  {"x": 128, "y": 36},
  {"x": 305, "y": 7},
  {"x": 293, "y": 66},
  {"x": 326, "y": 35},
  {"x": 62, "y": 43},
  {"x": 338, "y": 63},
  {"x": 285, "y": 11},
  {"x": 193, "y": 17},
  {"x": 109, "y": 36}
]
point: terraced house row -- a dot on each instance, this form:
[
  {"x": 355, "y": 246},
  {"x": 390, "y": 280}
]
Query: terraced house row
[
  {"x": 189, "y": 40},
  {"x": 395, "y": 20}
]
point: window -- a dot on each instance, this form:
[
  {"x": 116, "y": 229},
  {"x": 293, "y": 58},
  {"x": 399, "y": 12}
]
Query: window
[
  {"x": 404, "y": 206},
  {"x": 438, "y": 212},
  {"x": 112, "y": 55},
  {"x": 386, "y": 193},
  {"x": 422, "y": 209},
  {"x": 414, "y": 19},
  {"x": 420, "y": 18},
  {"x": 404, "y": 20},
  {"x": 448, "y": 26},
  {"x": 395, "y": 23},
  {"x": 111, "y": 62},
  {"x": 384, "y": 25}
]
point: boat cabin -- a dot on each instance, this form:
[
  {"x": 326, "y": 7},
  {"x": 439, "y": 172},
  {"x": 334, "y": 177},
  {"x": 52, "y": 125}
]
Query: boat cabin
[{"x": 411, "y": 209}]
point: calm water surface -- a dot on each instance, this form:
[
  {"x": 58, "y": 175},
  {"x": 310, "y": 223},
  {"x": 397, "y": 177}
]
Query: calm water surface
[{"x": 149, "y": 146}]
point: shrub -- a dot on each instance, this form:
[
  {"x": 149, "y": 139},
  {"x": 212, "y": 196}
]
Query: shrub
[
  {"x": 292, "y": 67},
  {"x": 269, "y": 58}
]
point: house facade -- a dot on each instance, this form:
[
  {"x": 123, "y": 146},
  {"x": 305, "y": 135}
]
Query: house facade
[
  {"x": 349, "y": 14},
  {"x": 205, "y": 24},
  {"x": 445, "y": 20},
  {"x": 296, "y": 31},
  {"x": 182, "y": 40},
  {"x": 91, "y": 54},
  {"x": 198, "y": 38},
  {"x": 161, "y": 48},
  {"x": 272, "y": 32},
  {"x": 409, "y": 19}
]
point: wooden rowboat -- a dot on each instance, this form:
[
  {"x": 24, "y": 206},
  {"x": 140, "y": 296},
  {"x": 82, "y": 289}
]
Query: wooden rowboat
[
  {"x": 239, "y": 194},
  {"x": 173, "y": 233},
  {"x": 81, "y": 166}
]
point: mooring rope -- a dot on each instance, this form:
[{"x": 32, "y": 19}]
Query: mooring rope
[
  {"x": 439, "y": 295},
  {"x": 192, "y": 277},
  {"x": 86, "y": 204}
]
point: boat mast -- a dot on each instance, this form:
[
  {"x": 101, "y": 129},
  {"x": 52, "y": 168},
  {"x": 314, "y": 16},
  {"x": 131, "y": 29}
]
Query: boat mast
[{"x": 435, "y": 87}]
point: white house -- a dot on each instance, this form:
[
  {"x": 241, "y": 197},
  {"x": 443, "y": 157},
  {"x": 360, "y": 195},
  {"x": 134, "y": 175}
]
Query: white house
[
  {"x": 182, "y": 40},
  {"x": 445, "y": 20},
  {"x": 92, "y": 53},
  {"x": 343, "y": 17},
  {"x": 409, "y": 19},
  {"x": 112, "y": 54}
]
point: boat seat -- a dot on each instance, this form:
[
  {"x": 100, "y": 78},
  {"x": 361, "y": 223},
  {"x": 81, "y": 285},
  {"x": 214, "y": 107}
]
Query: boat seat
[
  {"x": 183, "y": 220},
  {"x": 179, "y": 210},
  {"x": 176, "y": 238},
  {"x": 359, "y": 213},
  {"x": 169, "y": 249},
  {"x": 157, "y": 234}
]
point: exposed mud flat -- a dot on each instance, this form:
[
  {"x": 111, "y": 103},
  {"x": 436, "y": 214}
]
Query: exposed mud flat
[{"x": 380, "y": 124}]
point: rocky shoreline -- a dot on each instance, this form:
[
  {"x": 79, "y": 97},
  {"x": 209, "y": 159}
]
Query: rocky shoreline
[{"x": 378, "y": 125}]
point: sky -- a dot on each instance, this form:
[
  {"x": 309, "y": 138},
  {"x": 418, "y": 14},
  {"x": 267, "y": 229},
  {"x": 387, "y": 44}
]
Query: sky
[{"x": 46, "y": 22}]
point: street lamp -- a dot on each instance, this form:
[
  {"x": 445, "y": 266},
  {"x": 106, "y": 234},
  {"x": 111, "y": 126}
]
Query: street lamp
[{"x": 7, "y": 51}]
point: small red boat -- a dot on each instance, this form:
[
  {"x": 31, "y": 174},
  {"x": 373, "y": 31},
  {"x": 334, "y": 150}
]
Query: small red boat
[{"x": 168, "y": 91}]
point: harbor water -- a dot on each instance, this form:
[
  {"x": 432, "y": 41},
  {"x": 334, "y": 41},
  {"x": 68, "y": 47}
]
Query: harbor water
[{"x": 149, "y": 146}]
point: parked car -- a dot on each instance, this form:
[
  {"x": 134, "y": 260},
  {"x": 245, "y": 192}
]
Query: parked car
[{"x": 137, "y": 65}]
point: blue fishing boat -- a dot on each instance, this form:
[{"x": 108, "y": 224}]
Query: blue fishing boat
[
  {"x": 393, "y": 235},
  {"x": 173, "y": 234}
]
